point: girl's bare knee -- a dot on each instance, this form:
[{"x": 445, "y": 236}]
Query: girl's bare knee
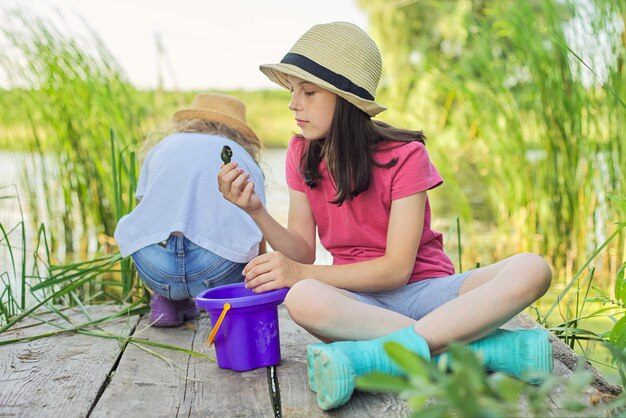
[
  {"x": 303, "y": 300},
  {"x": 300, "y": 292},
  {"x": 539, "y": 274}
]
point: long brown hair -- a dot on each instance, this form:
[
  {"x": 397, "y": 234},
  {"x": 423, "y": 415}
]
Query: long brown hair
[{"x": 348, "y": 148}]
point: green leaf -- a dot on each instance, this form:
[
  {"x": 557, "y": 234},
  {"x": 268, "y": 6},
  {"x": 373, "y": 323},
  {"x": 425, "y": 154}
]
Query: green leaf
[
  {"x": 619, "y": 200},
  {"x": 543, "y": 390},
  {"x": 573, "y": 405},
  {"x": 418, "y": 402},
  {"x": 379, "y": 382},
  {"x": 407, "y": 360},
  {"x": 618, "y": 334},
  {"x": 468, "y": 366},
  {"x": 620, "y": 285},
  {"x": 509, "y": 388},
  {"x": 618, "y": 355},
  {"x": 580, "y": 380},
  {"x": 433, "y": 411}
]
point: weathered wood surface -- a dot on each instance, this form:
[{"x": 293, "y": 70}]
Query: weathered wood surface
[
  {"x": 183, "y": 385},
  {"x": 566, "y": 360},
  {"x": 297, "y": 400},
  {"x": 565, "y": 364},
  {"x": 60, "y": 375},
  {"x": 74, "y": 375}
]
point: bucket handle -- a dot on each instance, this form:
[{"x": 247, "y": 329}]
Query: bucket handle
[{"x": 217, "y": 325}]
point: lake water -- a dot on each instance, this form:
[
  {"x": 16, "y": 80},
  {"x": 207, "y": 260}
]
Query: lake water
[
  {"x": 13, "y": 210},
  {"x": 273, "y": 165}
]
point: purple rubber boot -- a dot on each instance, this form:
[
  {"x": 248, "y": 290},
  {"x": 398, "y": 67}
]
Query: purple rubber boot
[
  {"x": 188, "y": 308},
  {"x": 164, "y": 312},
  {"x": 171, "y": 313}
]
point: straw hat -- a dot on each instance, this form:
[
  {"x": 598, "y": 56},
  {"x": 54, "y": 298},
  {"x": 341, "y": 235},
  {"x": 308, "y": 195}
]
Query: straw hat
[
  {"x": 337, "y": 56},
  {"x": 220, "y": 108}
]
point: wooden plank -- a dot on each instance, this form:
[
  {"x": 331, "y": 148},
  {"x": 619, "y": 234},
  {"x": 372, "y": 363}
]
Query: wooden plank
[
  {"x": 147, "y": 386},
  {"x": 565, "y": 364},
  {"x": 567, "y": 358},
  {"x": 298, "y": 400},
  {"x": 222, "y": 392},
  {"x": 64, "y": 375},
  {"x": 60, "y": 375}
]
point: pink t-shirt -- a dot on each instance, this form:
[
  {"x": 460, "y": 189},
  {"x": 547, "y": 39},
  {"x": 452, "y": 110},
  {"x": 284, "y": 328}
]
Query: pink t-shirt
[{"x": 357, "y": 230}]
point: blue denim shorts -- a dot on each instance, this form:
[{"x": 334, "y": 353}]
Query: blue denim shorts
[
  {"x": 178, "y": 269},
  {"x": 418, "y": 299}
]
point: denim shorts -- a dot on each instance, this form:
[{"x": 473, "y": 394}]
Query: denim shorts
[
  {"x": 178, "y": 269},
  {"x": 418, "y": 299}
]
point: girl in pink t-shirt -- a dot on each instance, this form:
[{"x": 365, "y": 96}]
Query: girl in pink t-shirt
[{"x": 362, "y": 185}]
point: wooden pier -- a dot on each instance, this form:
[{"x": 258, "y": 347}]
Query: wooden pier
[{"x": 80, "y": 375}]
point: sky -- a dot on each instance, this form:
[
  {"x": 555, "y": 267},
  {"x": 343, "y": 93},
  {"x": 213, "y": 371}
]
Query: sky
[
  {"x": 207, "y": 44},
  {"x": 211, "y": 44}
]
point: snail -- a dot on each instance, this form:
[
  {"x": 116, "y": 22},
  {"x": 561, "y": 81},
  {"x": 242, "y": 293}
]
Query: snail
[{"x": 226, "y": 154}]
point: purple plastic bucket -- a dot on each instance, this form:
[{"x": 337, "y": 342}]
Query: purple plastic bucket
[{"x": 248, "y": 337}]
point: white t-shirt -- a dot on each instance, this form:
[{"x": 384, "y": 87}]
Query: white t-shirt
[{"x": 178, "y": 191}]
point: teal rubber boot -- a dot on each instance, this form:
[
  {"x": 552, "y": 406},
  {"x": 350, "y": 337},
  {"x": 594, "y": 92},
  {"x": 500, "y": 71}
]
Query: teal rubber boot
[
  {"x": 332, "y": 368},
  {"x": 311, "y": 349},
  {"x": 525, "y": 353}
]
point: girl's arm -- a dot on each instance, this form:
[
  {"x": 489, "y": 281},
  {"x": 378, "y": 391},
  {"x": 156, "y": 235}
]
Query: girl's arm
[
  {"x": 298, "y": 240},
  {"x": 262, "y": 246},
  {"x": 391, "y": 271}
]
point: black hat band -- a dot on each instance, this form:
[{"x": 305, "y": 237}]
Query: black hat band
[{"x": 323, "y": 73}]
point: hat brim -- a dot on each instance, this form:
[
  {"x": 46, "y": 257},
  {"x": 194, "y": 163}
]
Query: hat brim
[
  {"x": 278, "y": 74},
  {"x": 229, "y": 121}
]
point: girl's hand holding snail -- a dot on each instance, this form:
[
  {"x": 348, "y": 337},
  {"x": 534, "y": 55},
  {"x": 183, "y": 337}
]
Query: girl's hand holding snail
[{"x": 235, "y": 184}]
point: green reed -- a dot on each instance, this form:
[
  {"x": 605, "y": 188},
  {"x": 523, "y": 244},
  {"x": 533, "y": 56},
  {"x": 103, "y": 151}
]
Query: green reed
[
  {"x": 498, "y": 88},
  {"x": 68, "y": 93},
  {"x": 556, "y": 202},
  {"x": 105, "y": 278},
  {"x": 123, "y": 163},
  {"x": 76, "y": 93},
  {"x": 33, "y": 281},
  {"x": 46, "y": 287}
]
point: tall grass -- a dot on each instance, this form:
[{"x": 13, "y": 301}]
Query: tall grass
[
  {"x": 56, "y": 288},
  {"x": 49, "y": 287},
  {"x": 505, "y": 93},
  {"x": 533, "y": 102},
  {"x": 578, "y": 303},
  {"x": 74, "y": 94},
  {"x": 33, "y": 280},
  {"x": 68, "y": 94}
]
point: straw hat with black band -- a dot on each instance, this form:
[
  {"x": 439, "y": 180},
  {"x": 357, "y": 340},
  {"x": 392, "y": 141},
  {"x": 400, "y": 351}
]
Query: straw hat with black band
[
  {"x": 219, "y": 108},
  {"x": 339, "y": 57}
]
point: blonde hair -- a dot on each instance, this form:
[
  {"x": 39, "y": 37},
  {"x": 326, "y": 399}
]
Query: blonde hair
[{"x": 251, "y": 145}]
